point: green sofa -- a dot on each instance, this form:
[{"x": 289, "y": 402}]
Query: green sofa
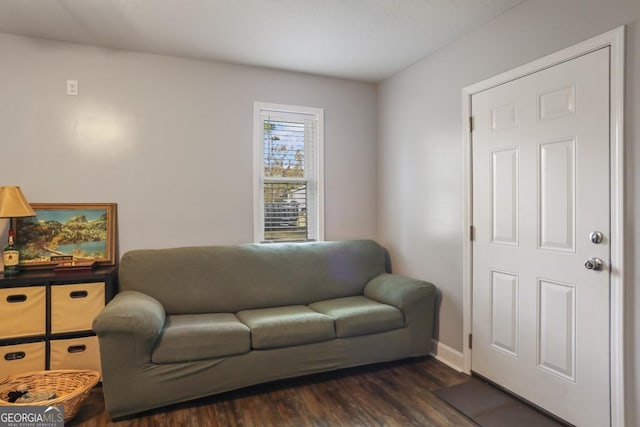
[{"x": 195, "y": 321}]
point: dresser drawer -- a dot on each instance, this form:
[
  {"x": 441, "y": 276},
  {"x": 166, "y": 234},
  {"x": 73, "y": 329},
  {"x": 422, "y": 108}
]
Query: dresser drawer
[
  {"x": 73, "y": 307},
  {"x": 21, "y": 358},
  {"x": 23, "y": 311},
  {"x": 76, "y": 353}
]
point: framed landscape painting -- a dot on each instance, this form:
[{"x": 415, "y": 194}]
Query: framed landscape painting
[{"x": 84, "y": 231}]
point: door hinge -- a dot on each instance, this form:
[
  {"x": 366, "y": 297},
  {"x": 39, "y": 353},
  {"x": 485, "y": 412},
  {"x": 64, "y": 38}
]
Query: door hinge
[
  {"x": 470, "y": 124},
  {"x": 472, "y": 233},
  {"x": 470, "y": 340}
]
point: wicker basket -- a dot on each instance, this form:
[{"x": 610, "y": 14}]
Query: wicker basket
[{"x": 71, "y": 386}]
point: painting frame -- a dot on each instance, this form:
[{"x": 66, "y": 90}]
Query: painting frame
[{"x": 59, "y": 230}]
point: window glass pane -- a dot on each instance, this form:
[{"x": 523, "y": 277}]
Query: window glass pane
[
  {"x": 285, "y": 211},
  {"x": 284, "y": 154}
]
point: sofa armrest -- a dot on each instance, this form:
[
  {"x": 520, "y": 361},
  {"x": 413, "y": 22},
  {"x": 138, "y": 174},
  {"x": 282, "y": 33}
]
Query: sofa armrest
[
  {"x": 133, "y": 313},
  {"x": 398, "y": 291},
  {"x": 133, "y": 319},
  {"x": 416, "y": 299}
]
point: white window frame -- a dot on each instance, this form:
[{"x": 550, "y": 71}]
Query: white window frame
[{"x": 258, "y": 165}]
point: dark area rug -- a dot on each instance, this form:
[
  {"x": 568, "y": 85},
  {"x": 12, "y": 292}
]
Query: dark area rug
[{"x": 491, "y": 407}]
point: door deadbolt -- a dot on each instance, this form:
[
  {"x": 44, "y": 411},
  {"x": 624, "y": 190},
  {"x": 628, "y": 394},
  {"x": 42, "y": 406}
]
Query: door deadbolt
[
  {"x": 596, "y": 237},
  {"x": 594, "y": 264}
]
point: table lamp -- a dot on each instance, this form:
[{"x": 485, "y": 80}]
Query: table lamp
[{"x": 13, "y": 204}]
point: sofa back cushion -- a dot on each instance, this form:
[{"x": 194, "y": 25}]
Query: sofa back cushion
[{"x": 219, "y": 279}]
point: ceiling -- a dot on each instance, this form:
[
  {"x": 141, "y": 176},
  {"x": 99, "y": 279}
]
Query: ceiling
[{"x": 366, "y": 40}]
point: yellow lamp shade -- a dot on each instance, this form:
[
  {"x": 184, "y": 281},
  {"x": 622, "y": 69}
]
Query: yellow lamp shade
[{"x": 13, "y": 203}]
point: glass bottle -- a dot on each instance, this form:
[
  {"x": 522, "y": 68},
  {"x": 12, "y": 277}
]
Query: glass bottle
[{"x": 11, "y": 256}]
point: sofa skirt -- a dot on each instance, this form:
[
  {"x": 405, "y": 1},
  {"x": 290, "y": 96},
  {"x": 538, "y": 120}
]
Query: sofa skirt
[{"x": 147, "y": 386}]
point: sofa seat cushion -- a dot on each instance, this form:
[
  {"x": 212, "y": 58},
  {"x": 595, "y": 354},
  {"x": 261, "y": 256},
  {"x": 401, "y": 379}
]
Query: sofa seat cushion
[
  {"x": 359, "y": 315},
  {"x": 187, "y": 337},
  {"x": 286, "y": 326}
]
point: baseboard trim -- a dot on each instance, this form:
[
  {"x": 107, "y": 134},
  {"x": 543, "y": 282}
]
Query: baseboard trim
[{"x": 447, "y": 355}]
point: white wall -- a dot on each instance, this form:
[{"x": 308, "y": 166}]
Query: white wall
[
  {"x": 420, "y": 149},
  {"x": 170, "y": 139}
]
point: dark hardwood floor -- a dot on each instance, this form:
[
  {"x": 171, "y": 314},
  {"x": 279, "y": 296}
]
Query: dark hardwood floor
[{"x": 388, "y": 394}]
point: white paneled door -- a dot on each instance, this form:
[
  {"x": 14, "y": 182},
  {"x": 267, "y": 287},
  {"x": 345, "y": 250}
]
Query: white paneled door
[{"x": 540, "y": 147}]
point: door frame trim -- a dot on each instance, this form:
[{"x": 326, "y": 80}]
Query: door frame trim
[{"x": 614, "y": 39}]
